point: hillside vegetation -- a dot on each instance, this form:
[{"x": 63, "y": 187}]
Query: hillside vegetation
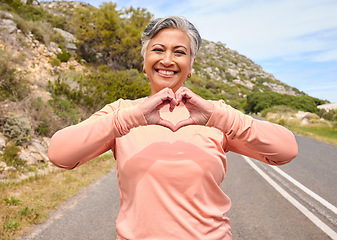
[
  {"x": 61, "y": 61},
  {"x": 106, "y": 42}
]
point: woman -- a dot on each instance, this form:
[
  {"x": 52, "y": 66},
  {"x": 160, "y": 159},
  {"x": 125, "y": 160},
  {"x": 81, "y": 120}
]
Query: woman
[{"x": 170, "y": 147}]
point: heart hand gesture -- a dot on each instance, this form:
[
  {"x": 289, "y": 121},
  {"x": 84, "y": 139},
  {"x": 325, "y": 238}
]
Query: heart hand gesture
[{"x": 200, "y": 109}]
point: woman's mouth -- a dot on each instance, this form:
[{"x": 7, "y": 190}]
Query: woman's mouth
[{"x": 166, "y": 73}]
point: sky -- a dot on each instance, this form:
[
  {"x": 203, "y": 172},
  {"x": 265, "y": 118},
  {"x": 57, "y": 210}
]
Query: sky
[{"x": 295, "y": 40}]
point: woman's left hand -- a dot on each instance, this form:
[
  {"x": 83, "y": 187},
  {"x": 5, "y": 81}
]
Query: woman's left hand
[{"x": 200, "y": 109}]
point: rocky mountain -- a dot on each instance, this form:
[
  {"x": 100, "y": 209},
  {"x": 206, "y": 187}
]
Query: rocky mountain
[
  {"x": 219, "y": 63},
  {"x": 30, "y": 55}
]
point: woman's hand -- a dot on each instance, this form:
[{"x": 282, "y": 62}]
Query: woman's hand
[
  {"x": 151, "y": 106},
  {"x": 200, "y": 109}
]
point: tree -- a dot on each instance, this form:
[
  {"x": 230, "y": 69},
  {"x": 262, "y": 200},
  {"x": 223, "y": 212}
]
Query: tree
[
  {"x": 113, "y": 34},
  {"x": 259, "y": 101}
]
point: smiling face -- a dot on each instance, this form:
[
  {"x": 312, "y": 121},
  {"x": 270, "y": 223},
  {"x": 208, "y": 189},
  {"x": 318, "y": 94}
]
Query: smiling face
[{"x": 168, "y": 59}]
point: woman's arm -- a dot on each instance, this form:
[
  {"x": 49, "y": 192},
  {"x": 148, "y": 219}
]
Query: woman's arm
[
  {"x": 77, "y": 144},
  {"x": 262, "y": 140}
]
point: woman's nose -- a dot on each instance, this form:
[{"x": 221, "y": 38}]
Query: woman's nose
[{"x": 167, "y": 59}]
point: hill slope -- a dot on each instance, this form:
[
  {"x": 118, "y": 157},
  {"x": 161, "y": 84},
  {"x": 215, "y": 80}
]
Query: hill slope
[{"x": 42, "y": 43}]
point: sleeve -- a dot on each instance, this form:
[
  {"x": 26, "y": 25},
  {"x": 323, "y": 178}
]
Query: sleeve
[
  {"x": 262, "y": 140},
  {"x": 77, "y": 144}
]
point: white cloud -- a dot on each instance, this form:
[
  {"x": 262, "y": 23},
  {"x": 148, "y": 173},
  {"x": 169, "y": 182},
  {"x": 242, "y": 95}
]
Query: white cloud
[
  {"x": 268, "y": 29},
  {"x": 325, "y": 56},
  {"x": 259, "y": 29}
]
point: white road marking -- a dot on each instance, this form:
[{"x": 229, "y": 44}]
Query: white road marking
[
  {"x": 325, "y": 228},
  {"x": 313, "y": 205},
  {"x": 306, "y": 190}
]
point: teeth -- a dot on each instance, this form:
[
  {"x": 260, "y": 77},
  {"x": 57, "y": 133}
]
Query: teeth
[{"x": 166, "y": 72}]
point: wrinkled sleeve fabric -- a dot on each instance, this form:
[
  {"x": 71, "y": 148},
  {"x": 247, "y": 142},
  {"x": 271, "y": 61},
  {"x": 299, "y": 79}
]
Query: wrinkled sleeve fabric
[
  {"x": 77, "y": 144},
  {"x": 261, "y": 140}
]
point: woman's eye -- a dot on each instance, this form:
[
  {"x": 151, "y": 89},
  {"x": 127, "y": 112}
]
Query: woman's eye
[
  {"x": 180, "y": 52},
  {"x": 158, "y": 50}
]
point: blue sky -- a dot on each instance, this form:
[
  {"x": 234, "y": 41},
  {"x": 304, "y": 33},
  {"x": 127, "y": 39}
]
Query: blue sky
[{"x": 295, "y": 40}]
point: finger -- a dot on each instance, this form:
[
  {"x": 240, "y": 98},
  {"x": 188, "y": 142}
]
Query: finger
[
  {"x": 183, "y": 94},
  {"x": 183, "y": 123},
  {"x": 164, "y": 97},
  {"x": 172, "y": 101},
  {"x": 168, "y": 94},
  {"x": 166, "y": 123},
  {"x": 169, "y": 101}
]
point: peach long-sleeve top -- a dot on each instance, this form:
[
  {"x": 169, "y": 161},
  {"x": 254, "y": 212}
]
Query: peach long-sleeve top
[{"x": 170, "y": 181}]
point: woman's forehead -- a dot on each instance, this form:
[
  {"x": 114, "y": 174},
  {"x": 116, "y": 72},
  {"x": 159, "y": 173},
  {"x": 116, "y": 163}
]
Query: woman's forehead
[{"x": 171, "y": 36}]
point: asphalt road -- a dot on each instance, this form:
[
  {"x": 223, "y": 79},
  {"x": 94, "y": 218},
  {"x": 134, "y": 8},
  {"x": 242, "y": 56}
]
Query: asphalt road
[{"x": 295, "y": 201}]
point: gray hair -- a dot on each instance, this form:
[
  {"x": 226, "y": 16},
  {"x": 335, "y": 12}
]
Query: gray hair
[{"x": 180, "y": 23}]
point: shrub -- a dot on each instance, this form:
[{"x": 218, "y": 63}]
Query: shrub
[
  {"x": 311, "y": 116},
  {"x": 17, "y": 128},
  {"x": 282, "y": 109},
  {"x": 38, "y": 35},
  {"x": 42, "y": 117},
  {"x": 55, "y": 62},
  {"x": 12, "y": 86},
  {"x": 64, "y": 56},
  {"x": 334, "y": 118},
  {"x": 99, "y": 88},
  {"x": 30, "y": 12},
  {"x": 258, "y": 101},
  {"x": 11, "y": 157},
  {"x": 329, "y": 115},
  {"x": 22, "y": 24},
  {"x": 56, "y": 37},
  {"x": 66, "y": 109}
]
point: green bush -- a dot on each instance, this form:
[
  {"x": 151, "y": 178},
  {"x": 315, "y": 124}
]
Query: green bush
[
  {"x": 64, "y": 108},
  {"x": 44, "y": 122},
  {"x": 55, "y": 62},
  {"x": 277, "y": 109},
  {"x": 56, "y": 37},
  {"x": 12, "y": 86},
  {"x": 22, "y": 24},
  {"x": 334, "y": 118},
  {"x": 17, "y": 128},
  {"x": 327, "y": 115},
  {"x": 30, "y": 12},
  {"x": 258, "y": 101},
  {"x": 312, "y": 116},
  {"x": 99, "y": 88},
  {"x": 64, "y": 56},
  {"x": 38, "y": 35},
  {"x": 11, "y": 157}
]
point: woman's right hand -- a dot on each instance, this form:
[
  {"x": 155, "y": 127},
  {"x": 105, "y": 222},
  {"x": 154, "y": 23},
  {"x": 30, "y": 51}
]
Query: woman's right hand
[{"x": 151, "y": 106}]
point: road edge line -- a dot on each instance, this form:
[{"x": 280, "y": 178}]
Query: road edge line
[
  {"x": 306, "y": 190},
  {"x": 325, "y": 228}
]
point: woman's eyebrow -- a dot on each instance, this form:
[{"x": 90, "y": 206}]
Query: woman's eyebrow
[
  {"x": 161, "y": 45},
  {"x": 182, "y": 46}
]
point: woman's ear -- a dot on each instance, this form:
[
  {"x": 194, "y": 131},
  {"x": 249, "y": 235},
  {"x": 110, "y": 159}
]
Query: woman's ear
[{"x": 192, "y": 62}]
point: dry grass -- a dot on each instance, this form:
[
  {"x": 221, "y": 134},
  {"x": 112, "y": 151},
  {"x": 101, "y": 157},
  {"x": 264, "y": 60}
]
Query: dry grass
[
  {"x": 322, "y": 133},
  {"x": 321, "y": 130},
  {"x": 30, "y": 202}
]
